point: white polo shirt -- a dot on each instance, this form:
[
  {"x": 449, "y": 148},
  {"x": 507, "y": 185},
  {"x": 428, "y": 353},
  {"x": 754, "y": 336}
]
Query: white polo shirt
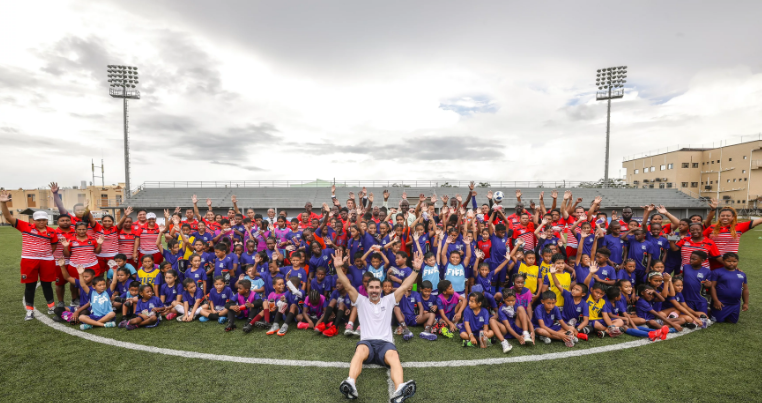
[{"x": 376, "y": 319}]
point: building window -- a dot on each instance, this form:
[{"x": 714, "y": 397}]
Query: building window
[
  {"x": 744, "y": 157},
  {"x": 743, "y": 172},
  {"x": 636, "y": 183},
  {"x": 669, "y": 185},
  {"x": 661, "y": 186},
  {"x": 636, "y": 172},
  {"x": 694, "y": 184},
  {"x": 745, "y": 179},
  {"x": 684, "y": 184},
  {"x": 30, "y": 200},
  {"x": 712, "y": 162},
  {"x": 695, "y": 164},
  {"x": 686, "y": 165},
  {"x": 653, "y": 169},
  {"x": 728, "y": 180},
  {"x": 118, "y": 199},
  {"x": 739, "y": 202},
  {"x": 730, "y": 159},
  {"x": 718, "y": 161},
  {"x": 662, "y": 167},
  {"x": 651, "y": 186},
  {"x": 670, "y": 166}
]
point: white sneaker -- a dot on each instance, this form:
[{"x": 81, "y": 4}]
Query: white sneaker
[
  {"x": 29, "y": 315},
  {"x": 506, "y": 346},
  {"x": 545, "y": 340},
  {"x": 348, "y": 389},
  {"x": 404, "y": 392}
]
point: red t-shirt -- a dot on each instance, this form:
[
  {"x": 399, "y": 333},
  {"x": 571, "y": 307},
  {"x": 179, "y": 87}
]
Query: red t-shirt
[
  {"x": 725, "y": 241},
  {"x": 687, "y": 246},
  {"x": 36, "y": 244}
]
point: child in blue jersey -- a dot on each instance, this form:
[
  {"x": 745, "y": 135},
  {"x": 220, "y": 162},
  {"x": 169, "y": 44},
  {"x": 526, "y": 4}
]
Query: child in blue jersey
[
  {"x": 147, "y": 311},
  {"x": 121, "y": 263},
  {"x": 575, "y": 311},
  {"x": 511, "y": 321},
  {"x": 356, "y": 271},
  {"x": 164, "y": 267},
  {"x": 174, "y": 254},
  {"x": 628, "y": 272},
  {"x": 582, "y": 267},
  {"x": 86, "y": 277},
  {"x": 400, "y": 271},
  {"x": 638, "y": 249},
  {"x": 252, "y": 275},
  {"x": 450, "y": 306},
  {"x": 428, "y": 299},
  {"x": 455, "y": 271},
  {"x": 171, "y": 294},
  {"x": 276, "y": 304},
  {"x": 475, "y": 327},
  {"x": 271, "y": 276},
  {"x": 413, "y": 313},
  {"x": 196, "y": 272},
  {"x": 119, "y": 287},
  {"x": 430, "y": 272},
  {"x": 728, "y": 288},
  {"x": 695, "y": 279},
  {"x": 322, "y": 283},
  {"x": 193, "y": 298},
  {"x": 606, "y": 274},
  {"x": 217, "y": 299},
  {"x": 378, "y": 262},
  {"x": 549, "y": 324},
  {"x": 339, "y": 305},
  {"x": 224, "y": 265},
  {"x": 647, "y": 315},
  {"x": 485, "y": 278},
  {"x": 296, "y": 269},
  {"x": 676, "y": 305},
  {"x": 614, "y": 243},
  {"x": 585, "y": 239},
  {"x": 245, "y": 304},
  {"x": 659, "y": 244},
  {"x": 628, "y": 293},
  {"x": 295, "y": 300},
  {"x": 130, "y": 299},
  {"x": 99, "y": 301}
]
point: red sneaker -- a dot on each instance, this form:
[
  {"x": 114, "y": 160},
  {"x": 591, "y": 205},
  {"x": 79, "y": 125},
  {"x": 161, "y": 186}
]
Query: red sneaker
[
  {"x": 582, "y": 336},
  {"x": 654, "y": 335},
  {"x": 171, "y": 316},
  {"x": 331, "y": 331},
  {"x": 302, "y": 326},
  {"x": 664, "y": 332},
  {"x": 320, "y": 327}
]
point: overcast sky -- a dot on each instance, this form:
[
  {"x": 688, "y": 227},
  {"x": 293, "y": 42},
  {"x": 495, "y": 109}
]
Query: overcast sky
[{"x": 490, "y": 90}]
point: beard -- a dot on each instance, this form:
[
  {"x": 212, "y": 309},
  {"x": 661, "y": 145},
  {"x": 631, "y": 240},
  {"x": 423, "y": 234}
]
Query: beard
[{"x": 374, "y": 296}]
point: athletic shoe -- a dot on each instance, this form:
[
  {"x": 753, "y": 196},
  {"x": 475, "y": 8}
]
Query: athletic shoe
[
  {"x": 123, "y": 324},
  {"x": 664, "y": 332},
  {"x": 600, "y": 333},
  {"x": 527, "y": 337},
  {"x": 690, "y": 325},
  {"x": 110, "y": 324},
  {"x": 482, "y": 339},
  {"x": 357, "y": 331},
  {"x": 247, "y": 327},
  {"x": 131, "y": 327},
  {"x": 231, "y": 327},
  {"x": 404, "y": 392},
  {"x": 399, "y": 331},
  {"x": 222, "y": 320},
  {"x": 506, "y": 346},
  {"x": 283, "y": 330},
  {"x": 436, "y": 329},
  {"x": 586, "y": 330},
  {"x": 614, "y": 331},
  {"x": 302, "y": 326},
  {"x": 51, "y": 310},
  {"x": 85, "y": 326},
  {"x": 705, "y": 322},
  {"x": 467, "y": 343},
  {"x": 653, "y": 335},
  {"x": 446, "y": 332},
  {"x": 203, "y": 319},
  {"x": 320, "y": 328},
  {"x": 74, "y": 303},
  {"x": 29, "y": 315},
  {"x": 582, "y": 336},
  {"x": 331, "y": 331},
  {"x": 260, "y": 324},
  {"x": 273, "y": 329},
  {"x": 349, "y": 330},
  {"x": 428, "y": 336},
  {"x": 180, "y": 318},
  {"x": 171, "y": 316},
  {"x": 570, "y": 342},
  {"x": 408, "y": 335},
  {"x": 673, "y": 315},
  {"x": 545, "y": 340},
  {"x": 348, "y": 389},
  {"x": 59, "y": 304}
]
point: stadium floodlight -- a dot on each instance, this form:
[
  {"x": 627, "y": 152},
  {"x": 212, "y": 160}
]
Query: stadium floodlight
[
  {"x": 610, "y": 86},
  {"x": 123, "y": 81}
]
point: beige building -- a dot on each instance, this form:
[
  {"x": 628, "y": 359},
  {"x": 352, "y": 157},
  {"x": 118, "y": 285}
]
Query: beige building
[
  {"x": 101, "y": 200},
  {"x": 731, "y": 174}
]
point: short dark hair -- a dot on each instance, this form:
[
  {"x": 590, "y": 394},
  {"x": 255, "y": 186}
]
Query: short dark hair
[
  {"x": 549, "y": 295},
  {"x": 728, "y": 255},
  {"x": 120, "y": 256},
  {"x": 375, "y": 279},
  {"x": 443, "y": 285},
  {"x": 426, "y": 285},
  {"x": 604, "y": 252}
]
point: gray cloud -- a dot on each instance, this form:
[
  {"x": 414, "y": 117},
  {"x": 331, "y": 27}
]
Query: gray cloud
[
  {"x": 449, "y": 148},
  {"x": 232, "y": 164}
]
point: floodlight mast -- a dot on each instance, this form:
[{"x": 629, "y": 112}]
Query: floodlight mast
[
  {"x": 610, "y": 82},
  {"x": 122, "y": 82}
]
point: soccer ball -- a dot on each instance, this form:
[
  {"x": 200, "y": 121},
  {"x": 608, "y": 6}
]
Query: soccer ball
[{"x": 498, "y": 196}]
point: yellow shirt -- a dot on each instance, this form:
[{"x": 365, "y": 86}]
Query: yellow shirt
[
  {"x": 189, "y": 250},
  {"x": 148, "y": 278},
  {"x": 565, "y": 280},
  {"x": 530, "y": 273},
  {"x": 545, "y": 268},
  {"x": 596, "y": 308}
]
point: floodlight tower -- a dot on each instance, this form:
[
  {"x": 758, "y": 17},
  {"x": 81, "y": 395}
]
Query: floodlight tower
[
  {"x": 610, "y": 82},
  {"x": 122, "y": 82}
]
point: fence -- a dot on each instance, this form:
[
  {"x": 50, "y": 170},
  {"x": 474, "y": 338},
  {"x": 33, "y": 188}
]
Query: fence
[{"x": 368, "y": 183}]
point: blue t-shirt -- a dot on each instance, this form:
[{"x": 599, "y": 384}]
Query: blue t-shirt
[
  {"x": 379, "y": 273},
  {"x": 659, "y": 246},
  {"x": 206, "y": 237},
  {"x": 616, "y": 246},
  {"x": 400, "y": 273},
  {"x": 170, "y": 293},
  {"x": 322, "y": 259},
  {"x": 507, "y": 313},
  {"x": 729, "y": 285},
  {"x": 428, "y": 303},
  {"x": 638, "y": 251},
  {"x": 457, "y": 276},
  {"x": 207, "y": 258},
  {"x": 485, "y": 282},
  {"x": 256, "y": 282},
  {"x": 84, "y": 298},
  {"x": 246, "y": 259},
  {"x": 678, "y": 297},
  {"x": 335, "y": 295},
  {"x": 148, "y": 306},
  {"x": 476, "y": 321},
  {"x": 122, "y": 288},
  {"x": 100, "y": 304},
  {"x": 573, "y": 310},
  {"x": 582, "y": 272},
  {"x": 409, "y": 304},
  {"x": 622, "y": 274},
  {"x": 191, "y": 299},
  {"x": 549, "y": 318},
  {"x": 323, "y": 287},
  {"x": 585, "y": 244},
  {"x": 499, "y": 248},
  {"x": 297, "y": 272},
  {"x": 431, "y": 274},
  {"x": 643, "y": 307},
  {"x": 198, "y": 276},
  {"x": 174, "y": 258},
  {"x": 110, "y": 273},
  {"x": 355, "y": 275},
  {"x": 605, "y": 273},
  {"x": 692, "y": 279},
  {"x": 225, "y": 265},
  {"x": 218, "y": 299}
]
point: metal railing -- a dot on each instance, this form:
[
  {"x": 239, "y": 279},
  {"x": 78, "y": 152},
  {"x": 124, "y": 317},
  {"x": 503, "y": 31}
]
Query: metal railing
[
  {"x": 722, "y": 143},
  {"x": 312, "y": 183}
]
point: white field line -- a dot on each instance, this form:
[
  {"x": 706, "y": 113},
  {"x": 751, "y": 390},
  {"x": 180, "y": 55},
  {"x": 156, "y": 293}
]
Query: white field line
[{"x": 336, "y": 364}]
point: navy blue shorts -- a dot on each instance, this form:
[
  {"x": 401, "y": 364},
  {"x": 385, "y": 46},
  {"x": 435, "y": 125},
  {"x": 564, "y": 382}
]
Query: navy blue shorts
[
  {"x": 377, "y": 351},
  {"x": 700, "y": 305},
  {"x": 95, "y": 317},
  {"x": 728, "y": 313},
  {"x": 410, "y": 320}
]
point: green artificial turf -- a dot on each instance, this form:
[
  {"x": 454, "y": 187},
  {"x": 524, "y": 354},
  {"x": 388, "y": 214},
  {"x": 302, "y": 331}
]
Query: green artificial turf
[{"x": 39, "y": 362}]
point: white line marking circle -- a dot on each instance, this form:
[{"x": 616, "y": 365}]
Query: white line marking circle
[{"x": 337, "y": 364}]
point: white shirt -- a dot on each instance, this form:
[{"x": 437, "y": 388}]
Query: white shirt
[{"x": 376, "y": 319}]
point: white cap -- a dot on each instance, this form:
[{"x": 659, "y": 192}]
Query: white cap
[
  {"x": 150, "y": 216},
  {"x": 40, "y": 215}
]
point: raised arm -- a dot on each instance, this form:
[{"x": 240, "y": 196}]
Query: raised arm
[
  {"x": 126, "y": 214},
  {"x": 339, "y": 261},
  {"x": 234, "y": 200},
  {"x": 712, "y": 210},
  {"x": 194, "y": 199},
  {"x": 57, "y": 200},
  {"x": 5, "y": 197},
  {"x": 411, "y": 279},
  {"x": 674, "y": 220}
]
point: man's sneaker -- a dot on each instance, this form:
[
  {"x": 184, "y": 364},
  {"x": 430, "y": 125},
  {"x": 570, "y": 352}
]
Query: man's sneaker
[
  {"x": 230, "y": 327},
  {"x": 653, "y": 335},
  {"x": 582, "y": 336},
  {"x": 302, "y": 326},
  {"x": 570, "y": 342},
  {"x": 331, "y": 331},
  {"x": 428, "y": 336},
  {"x": 446, "y": 332},
  {"x": 273, "y": 329},
  {"x": 131, "y": 327},
  {"x": 600, "y": 333},
  {"x": 399, "y": 330},
  {"x": 404, "y": 392},
  {"x": 222, "y": 320},
  {"x": 110, "y": 324},
  {"x": 482, "y": 339},
  {"x": 664, "y": 332},
  {"x": 320, "y": 328},
  {"x": 29, "y": 315},
  {"x": 348, "y": 389},
  {"x": 357, "y": 331},
  {"x": 247, "y": 327},
  {"x": 260, "y": 324},
  {"x": 123, "y": 324},
  {"x": 349, "y": 330},
  {"x": 59, "y": 304},
  {"x": 545, "y": 340},
  {"x": 171, "y": 316},
  {"x": 203, "y": 319},
  {"x": 408, "y": 335},
  {"x": 506, "y": 346},
  {"x": 283, "y": 330},
  {"x": 85, "y": 326},
  {"x": 690, "y": 325}
]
